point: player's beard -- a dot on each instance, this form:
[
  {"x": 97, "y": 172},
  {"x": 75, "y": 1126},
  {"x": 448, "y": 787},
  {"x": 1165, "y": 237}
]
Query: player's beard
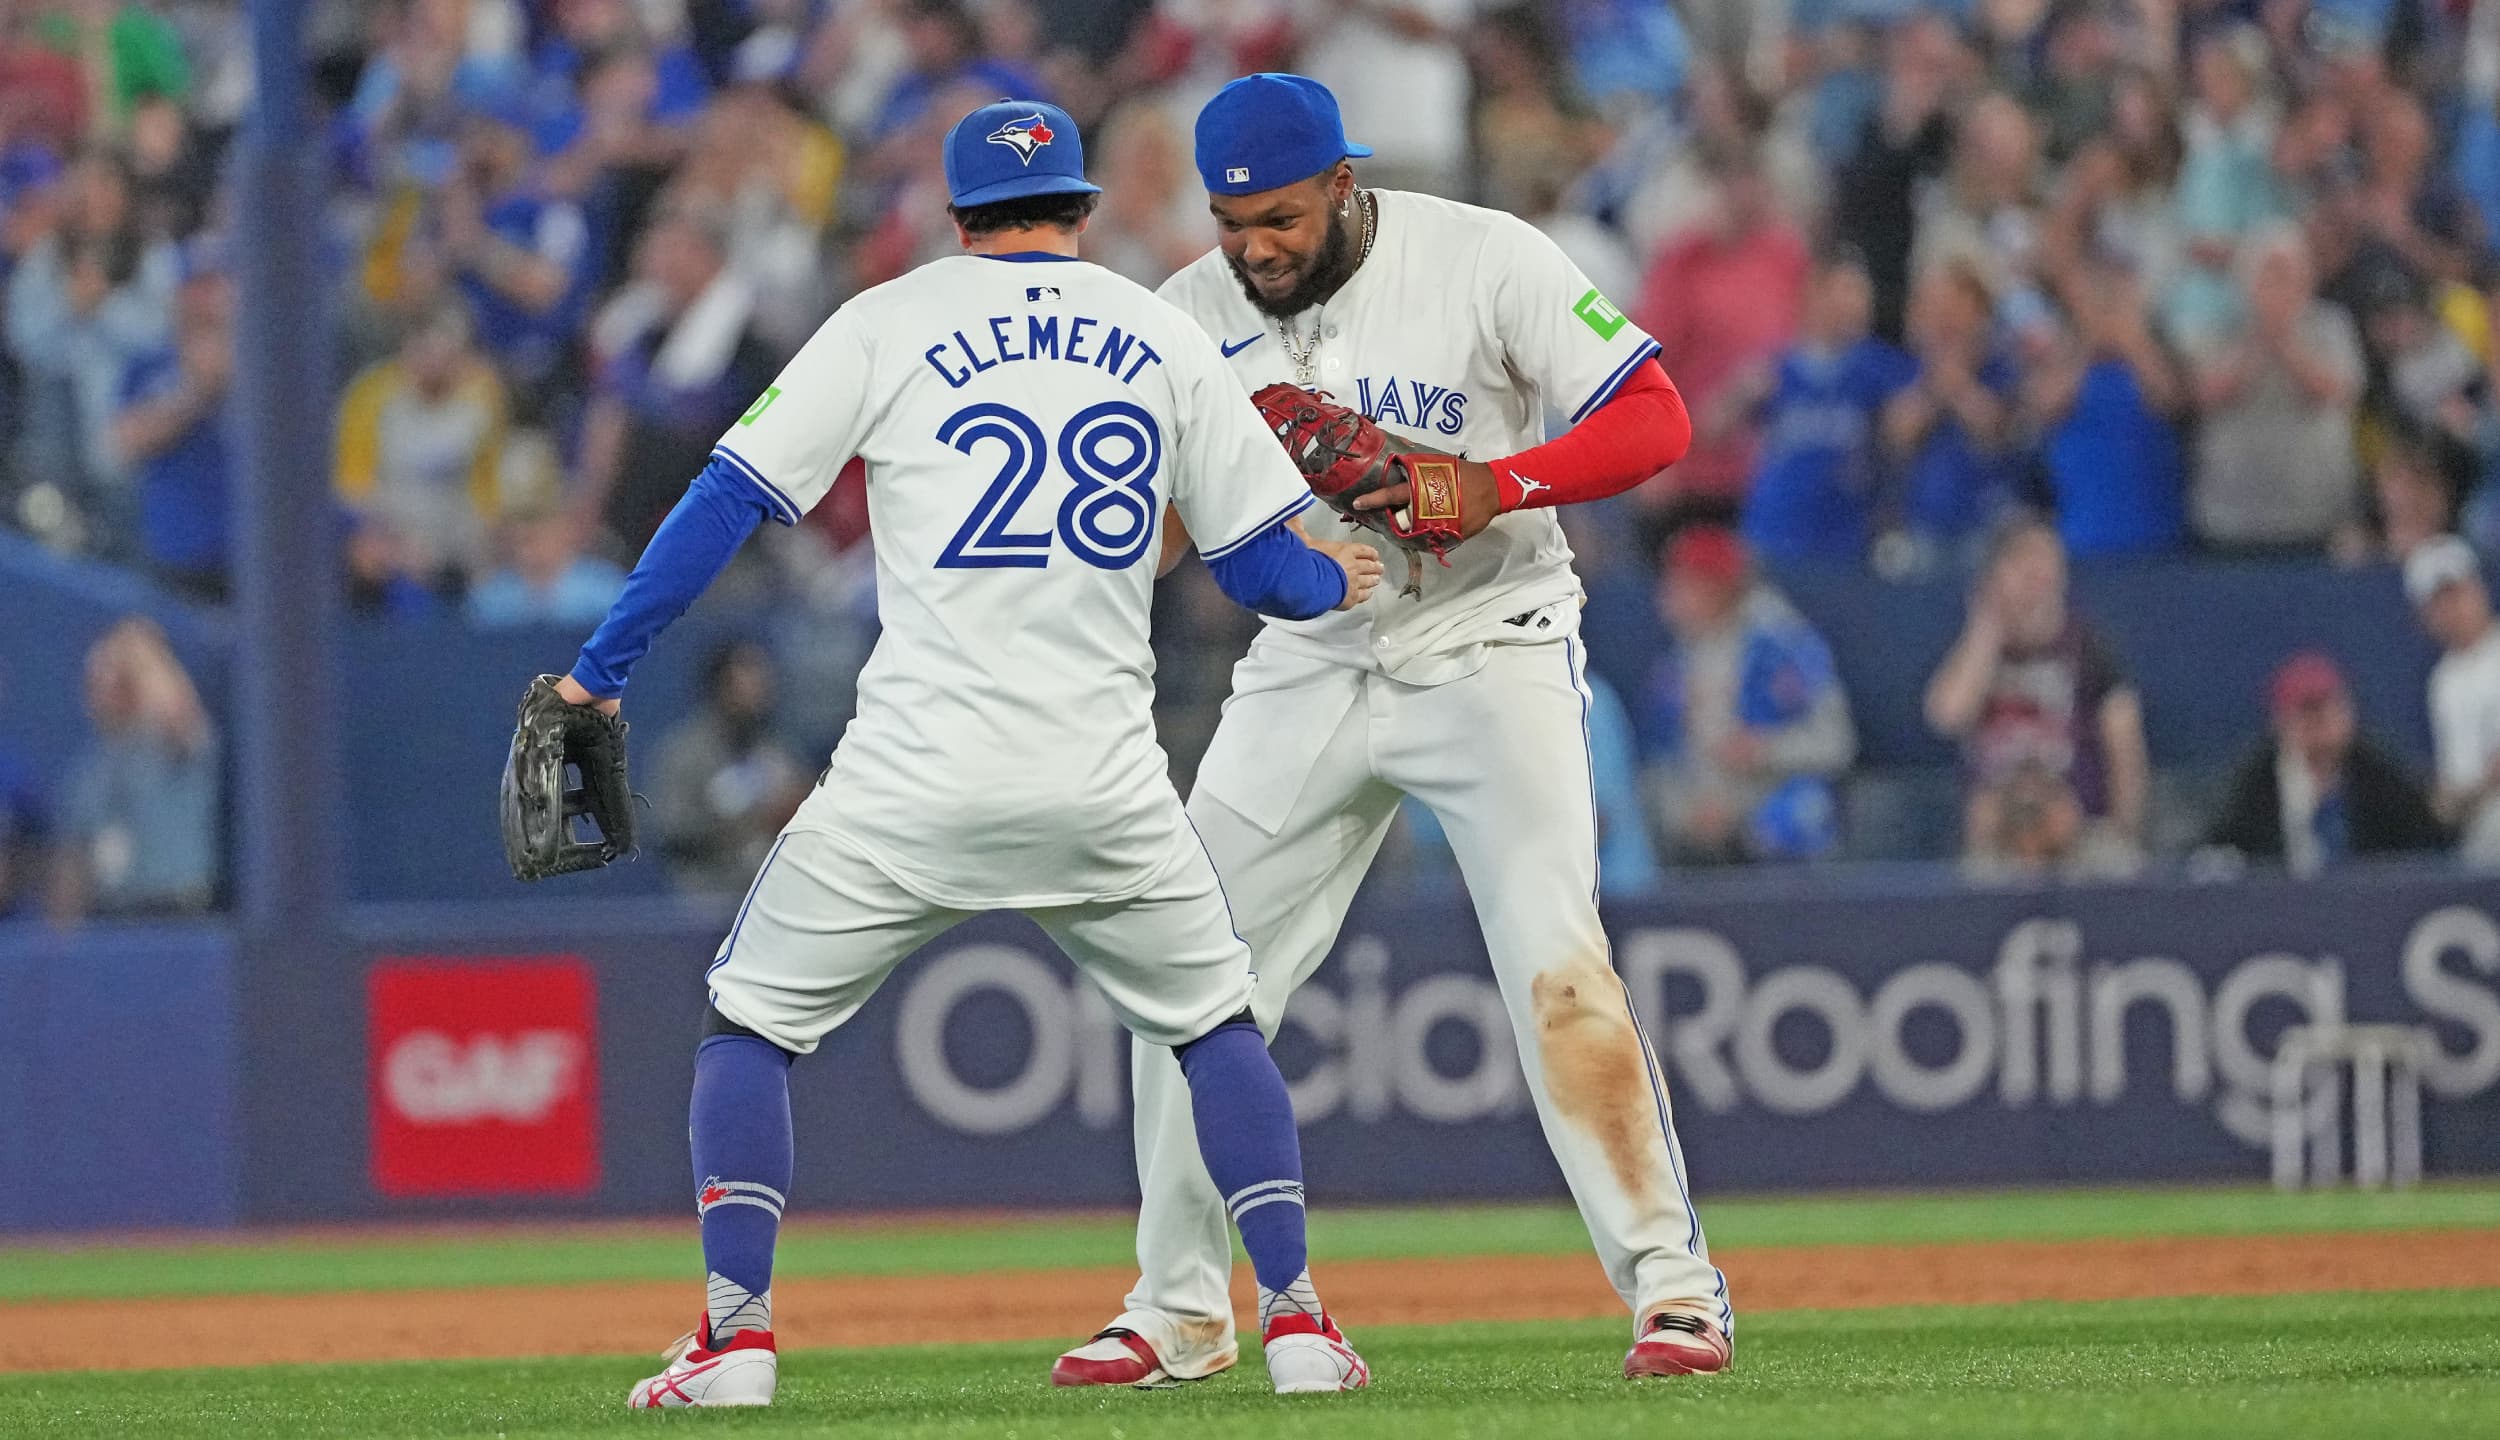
[{"x": 1329, "y": 271}]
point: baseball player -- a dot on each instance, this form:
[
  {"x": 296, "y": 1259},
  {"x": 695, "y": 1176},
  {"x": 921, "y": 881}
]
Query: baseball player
[
  {"x": 1025, "y": 418},
  {"x": 1458, "y": 327}
]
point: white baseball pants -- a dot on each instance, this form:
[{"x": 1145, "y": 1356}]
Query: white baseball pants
[
  {"x": 1296, "y": 793},
  {"x": 822, "y": 927}
]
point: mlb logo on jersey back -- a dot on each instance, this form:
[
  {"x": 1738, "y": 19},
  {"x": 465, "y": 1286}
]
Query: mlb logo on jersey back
[
  {"x": 1040, "y": 294},
  {"x": 1026, "y": 136}
]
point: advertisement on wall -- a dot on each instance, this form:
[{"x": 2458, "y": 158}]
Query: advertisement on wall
[
  {"x": 484, "y": 1077},
  {"x": 2079, "y": 1037}
]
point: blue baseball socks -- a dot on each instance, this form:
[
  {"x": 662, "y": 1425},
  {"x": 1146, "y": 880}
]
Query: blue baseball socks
[
  {"x": 1246, "y": 1135},
  {"x": 740, "y": 1126}
]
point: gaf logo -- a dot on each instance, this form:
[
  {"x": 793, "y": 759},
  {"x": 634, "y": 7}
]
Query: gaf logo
[
  {"x": 484, "y": 1077},
  {"x": 431, "y": 1078}
]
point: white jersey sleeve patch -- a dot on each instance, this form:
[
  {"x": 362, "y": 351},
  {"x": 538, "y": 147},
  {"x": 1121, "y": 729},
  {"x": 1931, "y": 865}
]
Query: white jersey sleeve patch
[
  {"x": 1556, "y": 328},
  {"x": 1233, "y": 481},
  {"x": 795, "y": 438}
]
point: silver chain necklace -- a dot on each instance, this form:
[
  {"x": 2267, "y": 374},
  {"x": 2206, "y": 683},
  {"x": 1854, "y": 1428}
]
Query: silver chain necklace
[{"x": 1304, "y": 353}]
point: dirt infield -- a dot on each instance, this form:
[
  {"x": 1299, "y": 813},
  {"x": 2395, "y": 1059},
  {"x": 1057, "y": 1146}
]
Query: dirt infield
[{"x": 1047, "y": 1305}]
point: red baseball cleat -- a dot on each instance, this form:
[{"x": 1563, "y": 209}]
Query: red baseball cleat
[{"x": 1675, "y": 1343}]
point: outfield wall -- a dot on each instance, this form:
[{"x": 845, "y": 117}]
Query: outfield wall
[
  {"x": 1816, "y": 1033},
  {"x": 1833, "y": 1031}
]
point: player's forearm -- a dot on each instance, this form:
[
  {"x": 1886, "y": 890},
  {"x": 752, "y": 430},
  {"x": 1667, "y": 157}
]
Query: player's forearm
[
  {"x": 1638, "y": 432},
  {"x": 1278, "y": 573},
  {"x": 694, "y": 544}
]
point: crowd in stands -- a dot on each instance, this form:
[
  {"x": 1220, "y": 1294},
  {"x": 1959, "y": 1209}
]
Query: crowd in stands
[{"x": 1959, "y": 287}]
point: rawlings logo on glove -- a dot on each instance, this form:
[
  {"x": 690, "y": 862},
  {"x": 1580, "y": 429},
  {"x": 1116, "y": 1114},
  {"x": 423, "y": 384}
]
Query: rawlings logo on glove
[{"x": 1344, "y": 456}]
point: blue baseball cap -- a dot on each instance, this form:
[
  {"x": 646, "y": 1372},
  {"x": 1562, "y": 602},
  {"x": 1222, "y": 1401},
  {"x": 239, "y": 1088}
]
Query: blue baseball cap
[
  {"x": 1266, "y": 130},
  {"x": 1013, "y": 149}
]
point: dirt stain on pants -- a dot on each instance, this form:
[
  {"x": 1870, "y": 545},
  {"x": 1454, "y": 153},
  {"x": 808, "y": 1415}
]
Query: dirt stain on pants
[{"x": 1596, "y": 1071}]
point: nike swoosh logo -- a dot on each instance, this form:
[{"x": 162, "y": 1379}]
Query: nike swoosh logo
[{"x": 1238, "y": 346}]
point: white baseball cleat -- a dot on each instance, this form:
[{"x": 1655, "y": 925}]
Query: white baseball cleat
[
  {"x": 1308, "y": 1355},
  {"x": 742, "y": 1372}
]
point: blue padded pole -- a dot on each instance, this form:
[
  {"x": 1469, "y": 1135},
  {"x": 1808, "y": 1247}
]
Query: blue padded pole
[{"x": 286, "y": 808}]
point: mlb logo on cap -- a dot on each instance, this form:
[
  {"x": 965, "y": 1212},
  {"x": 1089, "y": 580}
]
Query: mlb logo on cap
[
  {"x": 1011, "y": 150},
  {"x": 1282, "y": 127}
]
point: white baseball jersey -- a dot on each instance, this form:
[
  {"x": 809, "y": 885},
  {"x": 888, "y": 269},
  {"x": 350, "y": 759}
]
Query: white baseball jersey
[
  {"x": 1461, "y": 328},
  {"x": 1023, "y": 425}
]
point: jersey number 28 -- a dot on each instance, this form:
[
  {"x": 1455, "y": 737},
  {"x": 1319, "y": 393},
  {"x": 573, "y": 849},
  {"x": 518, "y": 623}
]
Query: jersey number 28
[{"x": 1110, "y": 452}]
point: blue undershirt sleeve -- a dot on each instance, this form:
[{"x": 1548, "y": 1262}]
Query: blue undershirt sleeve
[
  {"x": 1275, "y": 573},
  {"x": 694, "y": 544}
]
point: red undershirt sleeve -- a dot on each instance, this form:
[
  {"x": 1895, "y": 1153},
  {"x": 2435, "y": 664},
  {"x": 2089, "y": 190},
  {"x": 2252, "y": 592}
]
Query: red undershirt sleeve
[{"x": 1640, "y": 430}]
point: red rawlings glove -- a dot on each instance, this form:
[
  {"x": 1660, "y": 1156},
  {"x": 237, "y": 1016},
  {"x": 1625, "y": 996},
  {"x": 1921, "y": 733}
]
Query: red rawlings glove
[{"x": 1344, "y": 455}]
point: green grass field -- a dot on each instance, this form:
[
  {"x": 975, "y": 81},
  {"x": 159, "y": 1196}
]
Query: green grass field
[{"x": 2423, "y": 1363}]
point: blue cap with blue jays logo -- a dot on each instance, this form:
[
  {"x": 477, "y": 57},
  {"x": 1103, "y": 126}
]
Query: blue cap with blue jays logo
[
  {"x": 1013, "y": 149},
  {"x": 1266, "y": 130}
]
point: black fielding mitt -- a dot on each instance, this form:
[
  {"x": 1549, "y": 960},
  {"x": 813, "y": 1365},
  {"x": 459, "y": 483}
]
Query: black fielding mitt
[{"x": 539, "y": 806}]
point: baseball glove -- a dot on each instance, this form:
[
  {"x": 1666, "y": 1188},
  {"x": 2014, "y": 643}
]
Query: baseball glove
[
  {"x": 539, "y": 805},
  {"x": 1344, "y": 455}
]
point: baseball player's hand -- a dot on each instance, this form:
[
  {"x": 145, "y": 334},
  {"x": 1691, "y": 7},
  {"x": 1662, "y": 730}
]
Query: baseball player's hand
[
  {"x": 1361, "y": 564},
  {"x": 1480, "y": 497},
  {"x": 572, "y": 693}
]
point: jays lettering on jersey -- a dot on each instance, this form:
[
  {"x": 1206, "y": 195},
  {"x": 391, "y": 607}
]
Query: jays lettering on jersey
[
  {"x": 1460, "y": 331},
  {"x": 1023, "y": 426}
]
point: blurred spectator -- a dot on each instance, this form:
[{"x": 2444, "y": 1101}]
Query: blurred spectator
[
  {"x": 2445, "y": 583},
  {"x": 522, "y": 255},
  {"x": 174, "y": 433},
  {"x": 129, "y": 51},
  {"x": 2414, "y": 502},
  {"x": 43, "y": 92},
  {"x": 25, "y": 832},
  {"x": 1721, "y": 302},
  {"x": 2226, "y": 179},
  {"x": 1948, "y": 430},
  {"x": 1522, "y": 132},
  {"x": 678, "y": 360},
  {"x": 2423, "y": 376},
  {"x": 1905, "y": 144},
  {"x": 586, "y": 31},
  {"x": 726, "y": 785},
  {"x": 86, "y": 301},
  {"x": 942, "y": 39},
  {"x": 2106, "y": 398},
  {"x": 418, "y": 439},
  {"x": 139, "y": 824},
  {"x": 173, "y": 172},
  {"x": 1626, "y": 56},
  {"x": 2052, "y": 732},
  {"x": 1744, "y": 727},
  {"x": 544, "y": 579},
  {"x": 773, "y": 174},
  {"x": 2275, "y": 452},
  {"x": 1397, "y": 70},
  {"x": 1818, "y": 476},
  {"x": 1153, "y": 218},
  {"x": 381, "y": 580},
  {"x": 2316, "y": 793},
  {"x": 1984, "y": 215},
  {"x": 2409, "y": 208}
]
